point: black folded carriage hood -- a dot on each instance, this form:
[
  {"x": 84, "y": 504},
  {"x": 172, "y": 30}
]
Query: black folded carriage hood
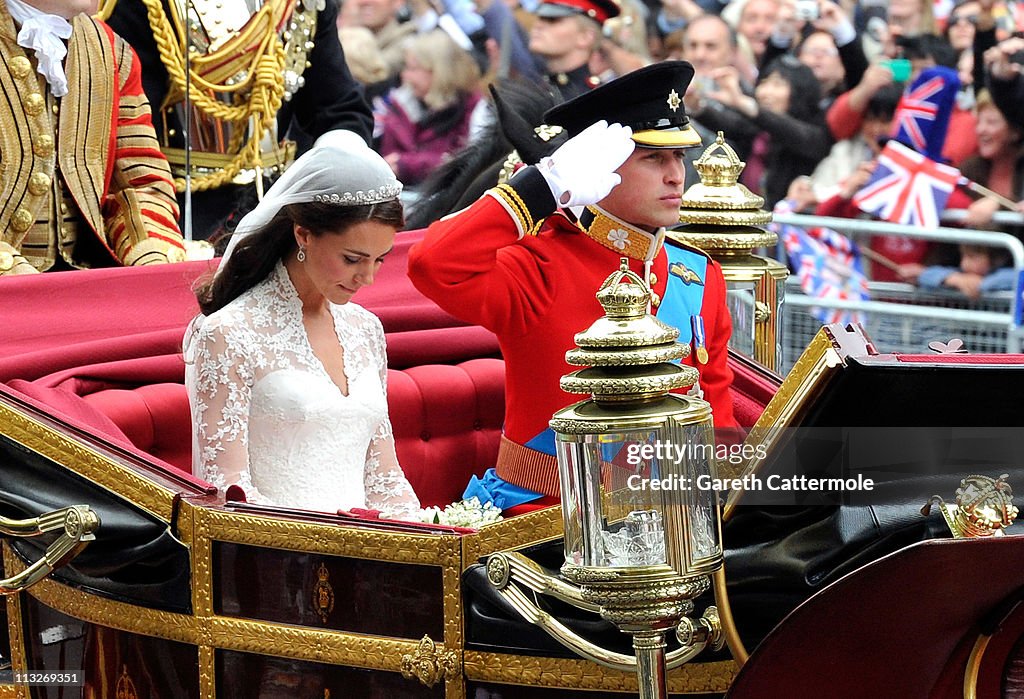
[{"x": 135, "y": 558}]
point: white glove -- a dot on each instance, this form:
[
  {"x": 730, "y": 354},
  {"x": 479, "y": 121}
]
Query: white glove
[{"x": 582, "y": 170}]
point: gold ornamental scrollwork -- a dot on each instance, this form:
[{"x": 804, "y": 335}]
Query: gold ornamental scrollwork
[
  {"x": 984, "y": 507},
  {"x": 323, "y": 594},
  {"x": 429, "y": 663},
  {"x": 613, "y": 385},
  {"x": 762, "y": 312},
  {"x": 125, "y": 688}
]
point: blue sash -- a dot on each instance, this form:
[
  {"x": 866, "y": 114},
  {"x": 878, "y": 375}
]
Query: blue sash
[
  {"x": 683, "y": 299},
  {"x": 494, "y": 488}
]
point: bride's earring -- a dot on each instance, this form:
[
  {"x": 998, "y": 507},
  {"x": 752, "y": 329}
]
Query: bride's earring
[{"x": 301, "y": 255}]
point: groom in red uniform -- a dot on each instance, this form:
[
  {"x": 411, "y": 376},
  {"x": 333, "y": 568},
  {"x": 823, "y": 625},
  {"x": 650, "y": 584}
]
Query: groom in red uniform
[{"x": 527, "y": 258}]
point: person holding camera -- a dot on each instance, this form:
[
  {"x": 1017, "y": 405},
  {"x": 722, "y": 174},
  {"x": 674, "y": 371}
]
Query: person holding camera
[
  {"x": 830, "y": 46},
  {"x": 783, "y": 118},
  {"x": 913, "y": 55},
  {"x": 1004, "y": 69}
]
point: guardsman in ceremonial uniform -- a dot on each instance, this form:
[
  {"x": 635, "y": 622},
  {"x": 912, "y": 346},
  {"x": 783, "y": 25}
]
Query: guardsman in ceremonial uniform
[
  {"x": 527, "y": 258},
  {"x": 266, "y": 79},
  {"x": 564, "y": 35},
  {"x": 83, "y": 181}
]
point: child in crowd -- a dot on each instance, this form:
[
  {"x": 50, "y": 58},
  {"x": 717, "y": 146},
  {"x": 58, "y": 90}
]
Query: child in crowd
[
  {"x": 849, "y": 153},
  {"x": 982, "y": 270}
]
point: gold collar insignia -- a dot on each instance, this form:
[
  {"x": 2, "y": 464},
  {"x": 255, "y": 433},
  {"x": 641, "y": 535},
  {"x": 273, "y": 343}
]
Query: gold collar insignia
[{"x": 619, "y": 236}]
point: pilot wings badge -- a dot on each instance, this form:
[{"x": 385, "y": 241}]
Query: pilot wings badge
[{"x": 688, "y": 276}]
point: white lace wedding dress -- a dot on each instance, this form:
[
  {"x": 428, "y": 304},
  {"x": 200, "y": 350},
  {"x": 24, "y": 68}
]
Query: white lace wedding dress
[{"x": 267, "y": 417}]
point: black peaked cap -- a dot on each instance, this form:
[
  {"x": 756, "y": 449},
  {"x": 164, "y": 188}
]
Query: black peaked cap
[{"x": 648, "y": 100}]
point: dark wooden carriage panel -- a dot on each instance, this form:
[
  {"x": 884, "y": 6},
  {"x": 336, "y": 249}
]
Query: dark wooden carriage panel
[
  {"x": 111, "y": 663},
  {"x": 342, "y": 593},
  {"x": 251, "y": 676}
]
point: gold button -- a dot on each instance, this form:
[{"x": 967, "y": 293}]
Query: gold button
[
  {"x": 63, "y": 208},
  {"x": 21, "y": 220},
  {"x": 38, "y": 183},
  {"x": 6, "y": 261},
  {"x": 20, "y": 66},
  {"x": 655, "y": 299},
  {"x": 653, "y": 280},
  {"x": 43, "y": 146},
  {"x": 56, "y": 109},
  {"x": 34, "y": 104}
]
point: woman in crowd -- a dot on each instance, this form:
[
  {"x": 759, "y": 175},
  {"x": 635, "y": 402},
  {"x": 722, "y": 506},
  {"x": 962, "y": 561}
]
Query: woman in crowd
[
  {"x": 428, "y": 116},
  {"x": 286, "y": 377},
  {"x": 783, "y": 118},
  {"x": 999, "y": 164}
]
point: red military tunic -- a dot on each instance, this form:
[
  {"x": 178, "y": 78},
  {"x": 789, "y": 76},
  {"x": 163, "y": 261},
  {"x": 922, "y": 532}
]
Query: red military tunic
[{"x": 535, "y": 292}]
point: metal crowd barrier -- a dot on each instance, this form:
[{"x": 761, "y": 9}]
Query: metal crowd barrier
[{"x": 901, "y": 317}]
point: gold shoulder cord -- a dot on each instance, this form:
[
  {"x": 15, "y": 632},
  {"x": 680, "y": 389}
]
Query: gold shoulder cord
[{"x": 252, "y": 62}]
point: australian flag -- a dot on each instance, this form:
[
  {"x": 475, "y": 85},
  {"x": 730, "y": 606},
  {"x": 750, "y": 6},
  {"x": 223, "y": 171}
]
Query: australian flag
[{"x": 828, "y": 265}]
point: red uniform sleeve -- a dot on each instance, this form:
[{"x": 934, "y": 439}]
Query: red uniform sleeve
[
  {"x": 716, "y": 376},
  {"x": 140, "y": 210},
  {"x": 472, "y": 265}
]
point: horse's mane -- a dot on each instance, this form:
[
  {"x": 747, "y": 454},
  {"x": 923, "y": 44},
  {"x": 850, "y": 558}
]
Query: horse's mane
[{"x": 473, "y": 170}]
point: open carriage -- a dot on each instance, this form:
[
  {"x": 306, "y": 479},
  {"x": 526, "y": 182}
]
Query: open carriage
[{"x": 180, "y": 592}]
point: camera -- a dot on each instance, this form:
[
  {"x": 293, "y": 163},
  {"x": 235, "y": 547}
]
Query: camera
[{"x": 807, "y": 10}]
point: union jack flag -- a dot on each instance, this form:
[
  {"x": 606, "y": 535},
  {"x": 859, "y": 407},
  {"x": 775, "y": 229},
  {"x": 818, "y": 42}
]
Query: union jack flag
[
  {"x": 922, "y": 116},
  {"x": 915, "y": 107},
  {"x": 907, "y": 187},
  {"x": 828, "y": 265}
]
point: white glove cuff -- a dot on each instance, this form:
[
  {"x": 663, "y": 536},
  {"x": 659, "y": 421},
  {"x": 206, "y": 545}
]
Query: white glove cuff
[{"x": 558, "y": 188}]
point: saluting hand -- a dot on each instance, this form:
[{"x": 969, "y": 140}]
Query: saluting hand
[{"x": 582, "y": 170}]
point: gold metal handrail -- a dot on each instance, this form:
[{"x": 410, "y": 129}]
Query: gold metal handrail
[{"x": 79, "y": 524}]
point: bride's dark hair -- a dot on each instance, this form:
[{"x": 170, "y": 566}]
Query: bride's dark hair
[{"x": 255, "y": 256}]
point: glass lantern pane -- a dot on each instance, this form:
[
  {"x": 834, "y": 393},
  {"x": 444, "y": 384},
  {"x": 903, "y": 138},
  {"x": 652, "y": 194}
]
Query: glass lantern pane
[
  {"x": 780, "y": 327},
  {"x": 612, "y": 517},
  {"x": 703, "y": 534},
  {"x": 741, "y": 298}
]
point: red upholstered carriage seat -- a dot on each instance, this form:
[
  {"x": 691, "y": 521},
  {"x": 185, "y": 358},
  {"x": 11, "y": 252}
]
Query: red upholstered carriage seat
[
  {"x": 155, "y": 417},
  {"x": 446, "y": 420}
]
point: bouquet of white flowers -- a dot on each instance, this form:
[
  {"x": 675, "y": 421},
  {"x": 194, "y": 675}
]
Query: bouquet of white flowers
[{"x": 464, "y": 513}]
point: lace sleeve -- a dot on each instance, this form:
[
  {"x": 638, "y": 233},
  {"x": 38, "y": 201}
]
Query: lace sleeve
[
  {"x": 219, "y": 380},
  {"x": 387, "y": 488}
]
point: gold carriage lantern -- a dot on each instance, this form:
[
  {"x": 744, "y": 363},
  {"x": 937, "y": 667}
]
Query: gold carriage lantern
[
  {"x": 636, "y": 463},
  {"x": 725, "y": 220}
]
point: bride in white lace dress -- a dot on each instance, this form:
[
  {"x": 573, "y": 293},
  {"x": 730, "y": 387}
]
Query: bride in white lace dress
[{"x": 286, "y": 377}]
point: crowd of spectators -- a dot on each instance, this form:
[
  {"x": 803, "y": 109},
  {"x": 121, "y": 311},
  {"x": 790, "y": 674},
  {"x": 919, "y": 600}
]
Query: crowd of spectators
[{"x": 805, "y": 90}]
